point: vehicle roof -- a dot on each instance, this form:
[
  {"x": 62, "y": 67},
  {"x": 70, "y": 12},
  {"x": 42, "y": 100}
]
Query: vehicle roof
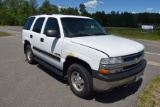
[{"x": 61, "y": 16}]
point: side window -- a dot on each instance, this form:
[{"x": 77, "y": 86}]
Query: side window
[
  {"x": 28, "y": 23},
  {"x": 38, "y": 25},
  {"x": 51, "y": 24}
]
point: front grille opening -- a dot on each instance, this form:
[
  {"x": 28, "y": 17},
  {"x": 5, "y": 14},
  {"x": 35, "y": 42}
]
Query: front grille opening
[
  {"x": 131, "y": 66},
  {"x": 133, "y": 57}
]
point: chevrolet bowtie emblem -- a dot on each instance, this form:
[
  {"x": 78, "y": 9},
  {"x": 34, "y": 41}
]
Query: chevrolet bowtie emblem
[{"x": 137, "y": 60}]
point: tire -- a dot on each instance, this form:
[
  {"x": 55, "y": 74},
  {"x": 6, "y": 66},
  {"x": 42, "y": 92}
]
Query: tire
[
  {"x": 29, "y": 55},
  {"x": 80, "y": 81}
]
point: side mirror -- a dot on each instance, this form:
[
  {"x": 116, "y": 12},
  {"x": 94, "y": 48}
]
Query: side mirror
[{"x": 52, "y": 33}]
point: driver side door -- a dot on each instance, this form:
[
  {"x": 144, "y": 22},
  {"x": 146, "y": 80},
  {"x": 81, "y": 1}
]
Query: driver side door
[{"x": 52, "y": 46}]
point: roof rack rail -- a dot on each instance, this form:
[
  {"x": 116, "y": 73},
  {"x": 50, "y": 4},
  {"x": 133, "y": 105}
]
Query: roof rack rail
[{"x": 44, "y": 14}]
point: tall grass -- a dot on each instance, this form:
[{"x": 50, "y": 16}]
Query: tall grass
[
  {"x": 5, "y": 34},
  {"x": 134, "y": 33}
]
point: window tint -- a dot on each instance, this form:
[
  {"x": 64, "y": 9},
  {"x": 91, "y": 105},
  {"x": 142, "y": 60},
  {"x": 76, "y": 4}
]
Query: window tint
[
  {"x": 51, "y": 24},
  {"x": 38, "y": 25},
  {"x": 78, "y": 27},
  {"x": 28, "y": 23}
]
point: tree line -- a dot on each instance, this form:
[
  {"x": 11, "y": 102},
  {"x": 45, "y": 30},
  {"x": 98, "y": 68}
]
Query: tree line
[{"x": 15, "y": 12}]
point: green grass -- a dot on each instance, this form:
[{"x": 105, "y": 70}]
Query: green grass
[
  {"x": 151, "y": 95},
  {"x": 134, "y": 33},
  {"x": 5, "y": 34}
]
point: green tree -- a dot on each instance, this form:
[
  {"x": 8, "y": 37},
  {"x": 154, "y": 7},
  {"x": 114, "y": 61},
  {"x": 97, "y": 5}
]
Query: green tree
[
  {"x": 100, "y": 17},
  {"x": 85, "y": 13},
  {"x": 82, "y": 7},
  {"x": 15, "y": 12},
  {"x": 1, "y": 4},
  {"x": 71, "y": 11},
  {"x": 76, "y": 11},
  {"x": 33, "y": 6},
  {"x": 23, "y": 12},
  {"x": 62, "y": 10},
  {"x": 11, "y": 11},
  {"x": 54, "y": 9},
  {"x": 45, "y": 8}
]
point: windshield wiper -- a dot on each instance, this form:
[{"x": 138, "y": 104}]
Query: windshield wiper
[
  {"x": 100, "y": 34},
  {"x": 81, "y": 34}
]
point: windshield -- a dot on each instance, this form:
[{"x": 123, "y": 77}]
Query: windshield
[{"x": 78, "y": 27}]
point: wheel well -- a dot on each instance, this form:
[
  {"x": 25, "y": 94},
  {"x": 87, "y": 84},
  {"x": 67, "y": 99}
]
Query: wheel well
[
  {"x": 70, "y": 60},
  {"x": 25, "y": 44}
]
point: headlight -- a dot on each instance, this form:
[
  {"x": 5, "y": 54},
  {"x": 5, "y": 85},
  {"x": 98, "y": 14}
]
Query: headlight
[
  {"x": 115, "y": 60},
  {"x": 107, "y": 62}
]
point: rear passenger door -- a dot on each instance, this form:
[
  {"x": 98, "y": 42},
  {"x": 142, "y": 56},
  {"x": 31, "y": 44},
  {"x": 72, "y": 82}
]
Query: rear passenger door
[{"x": 36, "y": 36}]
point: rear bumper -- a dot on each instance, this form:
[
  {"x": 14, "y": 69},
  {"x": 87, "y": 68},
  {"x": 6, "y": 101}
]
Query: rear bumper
[{"x": 103, "y": 82}]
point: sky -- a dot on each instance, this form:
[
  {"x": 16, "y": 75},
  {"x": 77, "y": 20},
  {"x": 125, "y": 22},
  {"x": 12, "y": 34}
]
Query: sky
[{"x": 133, "y": 6}]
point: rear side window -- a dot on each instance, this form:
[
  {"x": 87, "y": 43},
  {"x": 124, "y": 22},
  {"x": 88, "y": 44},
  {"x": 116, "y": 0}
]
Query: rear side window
[
  {"x": 38, "y": 25},
  {"x": 28, "y": 23},
  {"x": 51, "y": 24}
]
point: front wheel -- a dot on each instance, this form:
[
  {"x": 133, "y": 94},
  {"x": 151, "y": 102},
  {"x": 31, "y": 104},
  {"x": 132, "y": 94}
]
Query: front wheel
[{"x": 80, "y": 80}]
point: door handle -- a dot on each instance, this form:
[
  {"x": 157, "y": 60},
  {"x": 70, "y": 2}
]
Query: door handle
[
  {"x": 42, "y": 40},
  {"x": 31, "y": 36}
]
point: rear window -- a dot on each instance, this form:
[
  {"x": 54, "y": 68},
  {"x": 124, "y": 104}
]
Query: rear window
[
  {"x": 28, "y": 23},
  {"x": 38, "y": 25}
]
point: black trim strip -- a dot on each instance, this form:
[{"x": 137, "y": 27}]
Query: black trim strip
[
  {"x": 49, "y": 66},
  {"x": 48, "y": 54}
]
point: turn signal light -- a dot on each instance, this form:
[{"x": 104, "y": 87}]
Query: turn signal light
[{"x": 104, "y": 71}]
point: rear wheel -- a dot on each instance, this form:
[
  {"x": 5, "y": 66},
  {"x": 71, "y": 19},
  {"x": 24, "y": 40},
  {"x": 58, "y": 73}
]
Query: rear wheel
[
  {"x": 29, "y": 54},
  {"x": 80, "y": 80}
]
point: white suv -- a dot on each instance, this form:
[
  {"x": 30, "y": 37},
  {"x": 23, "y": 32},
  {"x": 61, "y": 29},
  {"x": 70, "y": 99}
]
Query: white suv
[{"x": 80, "y": 49}]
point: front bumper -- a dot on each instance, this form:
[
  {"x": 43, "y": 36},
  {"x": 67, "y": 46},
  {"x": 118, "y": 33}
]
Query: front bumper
[{"x": 103, "y": 82}]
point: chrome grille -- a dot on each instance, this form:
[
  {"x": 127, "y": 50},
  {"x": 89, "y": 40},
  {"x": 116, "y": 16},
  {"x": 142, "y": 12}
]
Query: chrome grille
[
  {"x": 134, "y": 58},
  {"x": 131, "y": 66}
]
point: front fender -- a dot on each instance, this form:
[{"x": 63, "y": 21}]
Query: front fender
[{"x": 88, "y": 55}]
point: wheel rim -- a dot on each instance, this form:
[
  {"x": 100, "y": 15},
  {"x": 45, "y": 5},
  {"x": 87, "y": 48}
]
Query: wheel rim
[
  {"x": 77, "y": 81},
  {"x": 29, "y": 54}
]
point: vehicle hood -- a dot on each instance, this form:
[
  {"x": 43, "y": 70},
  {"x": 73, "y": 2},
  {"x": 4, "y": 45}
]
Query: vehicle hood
[{"x": 112, "y": 45}]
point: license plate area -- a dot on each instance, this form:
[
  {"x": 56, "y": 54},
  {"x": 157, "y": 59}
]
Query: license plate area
[{"x": 138, "y": 76}]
